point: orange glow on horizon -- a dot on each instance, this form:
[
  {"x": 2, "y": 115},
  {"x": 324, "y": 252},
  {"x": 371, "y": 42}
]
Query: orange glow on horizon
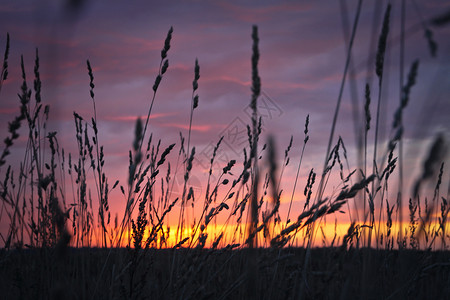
[{"x": 325, "y": 235}]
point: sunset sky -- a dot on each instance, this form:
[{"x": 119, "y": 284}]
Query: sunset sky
[{"x": 303, "y": 51}]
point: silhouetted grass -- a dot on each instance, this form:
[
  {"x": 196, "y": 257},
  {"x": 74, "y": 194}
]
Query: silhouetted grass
[{"x": 49, "y": 249}]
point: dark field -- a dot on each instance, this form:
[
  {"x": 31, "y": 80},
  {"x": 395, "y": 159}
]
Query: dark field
[{"x": 333, "y": 273}]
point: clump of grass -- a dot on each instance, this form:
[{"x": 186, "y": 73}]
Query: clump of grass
[
  {"x": 203, "y": 259},
  {"x": 256, "y": 90},
  {"x": 379, "y": 67},
  {"x": 305, "y": 140},
  {"x": 4, "y": 73}
]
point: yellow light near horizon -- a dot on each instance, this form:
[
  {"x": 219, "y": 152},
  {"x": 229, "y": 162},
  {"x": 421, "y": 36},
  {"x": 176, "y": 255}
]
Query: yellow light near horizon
[{"x": 325, "y": 235}]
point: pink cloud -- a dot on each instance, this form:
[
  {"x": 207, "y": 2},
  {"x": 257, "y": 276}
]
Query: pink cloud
[
  {"x": 226, "y": 78},
  {"x": 9, "y": 111},
  {"x": 200, "y": 128},
  {"x": 134, "y": 118}
]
